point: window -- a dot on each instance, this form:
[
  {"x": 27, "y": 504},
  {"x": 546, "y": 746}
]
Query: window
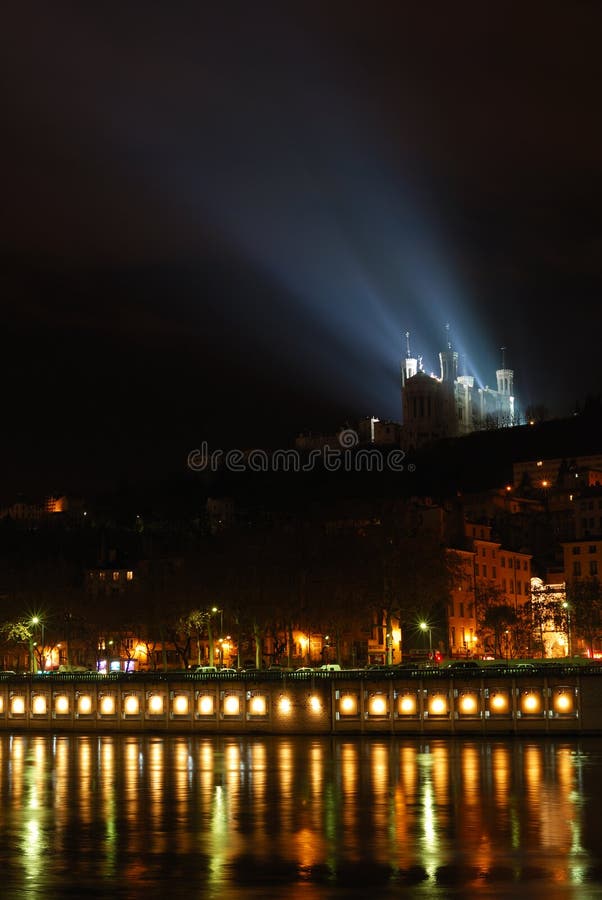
[
  {"x": 592, "y": 548},
  {"x": 519, "y": 587},
  {"x": 101, "y": 576},
  {"x": 576, "y": 568},
  {"x": 493, "y": 572},
  {"x": 504, "y": 585},
  {"x": 461, "y": 610},
  {"x": 129, "y": 576},
  {"x": 484, "y": 571},
  {"x": 476, "y": 569},
  {"x": 525, "y": 565},
  {"x": 483, "y": 552},
  {"x": 576, "y": 551},
  {"x": 115, "y": 576},
  {"x": 593, "y": 567},
  {"x": 453, "y": 636},
  {"x": 503, "y": 561}
]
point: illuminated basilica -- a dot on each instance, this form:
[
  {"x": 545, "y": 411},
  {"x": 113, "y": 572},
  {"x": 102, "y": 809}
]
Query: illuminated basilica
[{"x": 451, "y": 405}]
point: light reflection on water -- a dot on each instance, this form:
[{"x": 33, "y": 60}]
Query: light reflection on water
[{"x": 154, "y": 816}]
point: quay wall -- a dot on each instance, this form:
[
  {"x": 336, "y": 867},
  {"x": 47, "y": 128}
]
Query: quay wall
[{"x": 552, "y": 700}]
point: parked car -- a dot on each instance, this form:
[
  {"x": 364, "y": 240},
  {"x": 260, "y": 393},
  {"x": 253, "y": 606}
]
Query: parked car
[
  {"x": 205, "y": 670},
  {"x": 464, "y": 664},
  {"x": 330, "y": 667}
]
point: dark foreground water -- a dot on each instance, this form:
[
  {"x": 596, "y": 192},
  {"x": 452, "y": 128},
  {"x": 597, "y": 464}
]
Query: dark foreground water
[{"x": 174, "y": 817}]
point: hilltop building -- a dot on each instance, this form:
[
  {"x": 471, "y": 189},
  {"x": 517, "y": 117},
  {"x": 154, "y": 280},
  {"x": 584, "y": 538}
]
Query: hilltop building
[{"x": 451, "y": 405}]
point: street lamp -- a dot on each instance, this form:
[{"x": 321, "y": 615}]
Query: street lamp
[
  {"x": 567, "y": 607},
  {"x": 215, "y": 610},
  {"x": 424, "y": 626},
  {"x": 35, "y": 621}
]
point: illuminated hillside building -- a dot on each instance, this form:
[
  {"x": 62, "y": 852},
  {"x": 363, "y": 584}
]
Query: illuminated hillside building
[{"x": 451, "y": 405}]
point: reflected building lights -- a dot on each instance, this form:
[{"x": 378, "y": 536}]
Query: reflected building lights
[{"x": 313, "y": 801}]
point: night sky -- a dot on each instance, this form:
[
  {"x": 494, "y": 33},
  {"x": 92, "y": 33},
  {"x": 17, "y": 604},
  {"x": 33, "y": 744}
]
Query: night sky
[{"x": 220, "y": 218}]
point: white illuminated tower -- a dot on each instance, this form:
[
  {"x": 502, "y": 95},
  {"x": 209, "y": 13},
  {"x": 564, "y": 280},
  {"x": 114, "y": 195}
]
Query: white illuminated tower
[{"x": 409, "y": 366}]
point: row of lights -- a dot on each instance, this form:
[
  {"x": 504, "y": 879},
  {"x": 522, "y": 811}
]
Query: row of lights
[
  {"x": 467, "y": 703},
  {"x": 154, "y": 704},
  {"x": 438, "y": 704}
]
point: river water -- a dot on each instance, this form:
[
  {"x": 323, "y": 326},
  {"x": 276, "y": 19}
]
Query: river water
[{"x": 146, "y": 816}]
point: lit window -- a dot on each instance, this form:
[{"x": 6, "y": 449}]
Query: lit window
[
  {"x": 407, "y": 705},
  {"x": 285, "y": 706},
  {"x": 107, "y": 705},
  {"x": 155, "y": 704},
  {"x": 84, "y": 705},
  {"x": 38, "y": 706},
  {"x": 129, "y": 576},
  {"x": 131, "y": 705},
  {"x": 61, "y": 705},
  {"x": 232, "y": 705},
  {"x": 180, "y": 705},
  {"x": 115, "y": 576},
  {"x": 206, "y": 705}
]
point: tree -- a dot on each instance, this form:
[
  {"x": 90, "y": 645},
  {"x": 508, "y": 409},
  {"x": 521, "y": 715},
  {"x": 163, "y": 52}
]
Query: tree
[
  {"x": 585, "y": 604},
  {"x": 20, "y": 632},
  {"x": 498, "y": 622}
]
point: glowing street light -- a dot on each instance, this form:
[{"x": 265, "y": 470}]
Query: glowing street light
[
  {"x": 424, "y": 626},
  {"x": 567, "y": 607},
  {"x": 35, "y": 621}
]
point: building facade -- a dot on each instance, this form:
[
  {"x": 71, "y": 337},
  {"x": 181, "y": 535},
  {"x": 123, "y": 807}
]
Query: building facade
[{"x": 451, "y": 405}]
